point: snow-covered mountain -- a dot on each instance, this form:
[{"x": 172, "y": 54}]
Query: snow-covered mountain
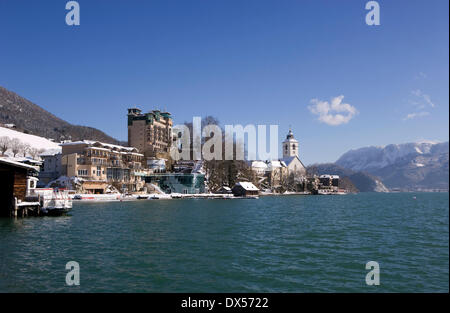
[
  {"x": 369, "y": 158},
  {"x": 418, "y": 165}
]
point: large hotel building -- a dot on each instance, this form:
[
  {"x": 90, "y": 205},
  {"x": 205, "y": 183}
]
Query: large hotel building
[
  {"x": 151, "y": 132},
  {"x": 99, "y": 164}
]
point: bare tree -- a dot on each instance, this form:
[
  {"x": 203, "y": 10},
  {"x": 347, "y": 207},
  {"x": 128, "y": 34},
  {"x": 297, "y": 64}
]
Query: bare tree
[
  {"x": 221, "y": 172},
  {"x": 34, "y": 153},
  {"x": 16, "y": 146},
  {"x": 25, "y": 149},
  {"x": 5, "y": 144}
]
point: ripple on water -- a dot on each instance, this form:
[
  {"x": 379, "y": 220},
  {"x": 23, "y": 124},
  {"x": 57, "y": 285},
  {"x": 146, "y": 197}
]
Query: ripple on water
[{"x": 274, "y": 244}]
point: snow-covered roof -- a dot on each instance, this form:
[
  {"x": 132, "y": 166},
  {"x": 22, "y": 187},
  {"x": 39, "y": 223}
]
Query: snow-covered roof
[
  {"x": 288, "y": 160},
  {"x": 79, "y": 142},
  {"x": 25, "y": 160},
  {"x": 329, "y": 176},
  {"x": 118, "y": 147},
  {"x": 258, "y": 164},
  {"x": 247, "y": 186},
  {"x": 92, "y": 142},
  {"x": 10, "y": 162},
  {"x": 276, "y": 164},
  {"x": 293, "y": 140},
  {"x": 128, "y": 152},
  {"x": 50, "y": 152},
  {"x": 97, "y": 148}
]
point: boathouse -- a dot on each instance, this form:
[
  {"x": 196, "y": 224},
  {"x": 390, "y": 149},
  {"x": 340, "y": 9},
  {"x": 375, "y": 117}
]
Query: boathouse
[
  {"x": 245, "y": 189},
  {"x": 16, "y": 181}
]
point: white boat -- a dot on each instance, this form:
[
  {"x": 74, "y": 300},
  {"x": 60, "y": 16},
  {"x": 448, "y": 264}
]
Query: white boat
[
  {"x": 331, "y": 192},
  {"x": 53, "y": 202},
  {"x": 98, "y": 197}
]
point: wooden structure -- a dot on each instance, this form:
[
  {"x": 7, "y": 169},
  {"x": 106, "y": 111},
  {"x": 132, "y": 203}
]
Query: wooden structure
[
  {"x": 14, "y": 188},
  {"x": 245, "y": 189},
  {"x": 224, "y": 190}
]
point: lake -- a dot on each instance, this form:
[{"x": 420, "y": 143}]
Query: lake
[{"x": 273, "y": 244}]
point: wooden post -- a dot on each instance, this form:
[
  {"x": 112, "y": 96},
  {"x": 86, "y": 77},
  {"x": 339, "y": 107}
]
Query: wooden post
[
  {"x": 14, "y": 213},
  {"x": 40, "y": 205}
]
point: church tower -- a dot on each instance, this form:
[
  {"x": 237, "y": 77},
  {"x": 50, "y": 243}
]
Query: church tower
[{"x": 290, "y": 146}]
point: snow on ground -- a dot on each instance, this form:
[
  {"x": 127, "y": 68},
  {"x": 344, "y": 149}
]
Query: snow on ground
[{"x": 34, "y": 141}]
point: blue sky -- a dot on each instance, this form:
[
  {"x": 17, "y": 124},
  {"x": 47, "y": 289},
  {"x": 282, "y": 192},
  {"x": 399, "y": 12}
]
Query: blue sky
[{"x": 245, "y": 62}]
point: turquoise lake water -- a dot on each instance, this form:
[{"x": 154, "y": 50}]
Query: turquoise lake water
[{"x": 274, "y": 244}]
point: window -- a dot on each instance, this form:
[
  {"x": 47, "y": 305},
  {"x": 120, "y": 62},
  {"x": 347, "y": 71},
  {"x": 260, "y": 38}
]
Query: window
[
  {"x": 99, "y": 170},
  {"x": 82, "y": 173}
]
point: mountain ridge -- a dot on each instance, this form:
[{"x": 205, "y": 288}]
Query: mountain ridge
[
  {"x": 363, "y": 182},
  {"x": 422, "y": 165},
  {"x": 33, "y": 119}
]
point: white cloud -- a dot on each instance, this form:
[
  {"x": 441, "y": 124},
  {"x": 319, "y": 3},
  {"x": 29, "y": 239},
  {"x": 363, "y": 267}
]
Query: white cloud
[
  {"x": 418, "y": 93},
  {"x": 421, "y": 75},
  {"x": 418, "y": 105},
  {"x": 334, "y": 113},
  {"x": 410, "y": 116}
]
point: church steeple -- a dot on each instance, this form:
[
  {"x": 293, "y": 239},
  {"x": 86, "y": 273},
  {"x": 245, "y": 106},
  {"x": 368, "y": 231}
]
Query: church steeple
[{"x": 290, "y": 145}]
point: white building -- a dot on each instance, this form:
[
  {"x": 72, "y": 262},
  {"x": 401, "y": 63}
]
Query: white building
[
  {"x": 329, "y": 180},
  {"x": 290, "y": 155},
  {"x": 259, "y": 167},
  {"x": 290, "y": 145},
  {"x": 290, "y": 162}
]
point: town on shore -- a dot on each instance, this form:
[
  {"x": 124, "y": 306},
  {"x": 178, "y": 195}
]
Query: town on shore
[{"x": 36, "y": 179}]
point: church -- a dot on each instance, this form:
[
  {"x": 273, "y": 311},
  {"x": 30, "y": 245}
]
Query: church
[
  {"x": 290, "y": 155},
  {"x": 290, "y": 164}
]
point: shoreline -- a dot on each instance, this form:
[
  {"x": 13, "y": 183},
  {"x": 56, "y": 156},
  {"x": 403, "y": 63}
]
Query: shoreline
[{"x": 156, "y": 196}]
